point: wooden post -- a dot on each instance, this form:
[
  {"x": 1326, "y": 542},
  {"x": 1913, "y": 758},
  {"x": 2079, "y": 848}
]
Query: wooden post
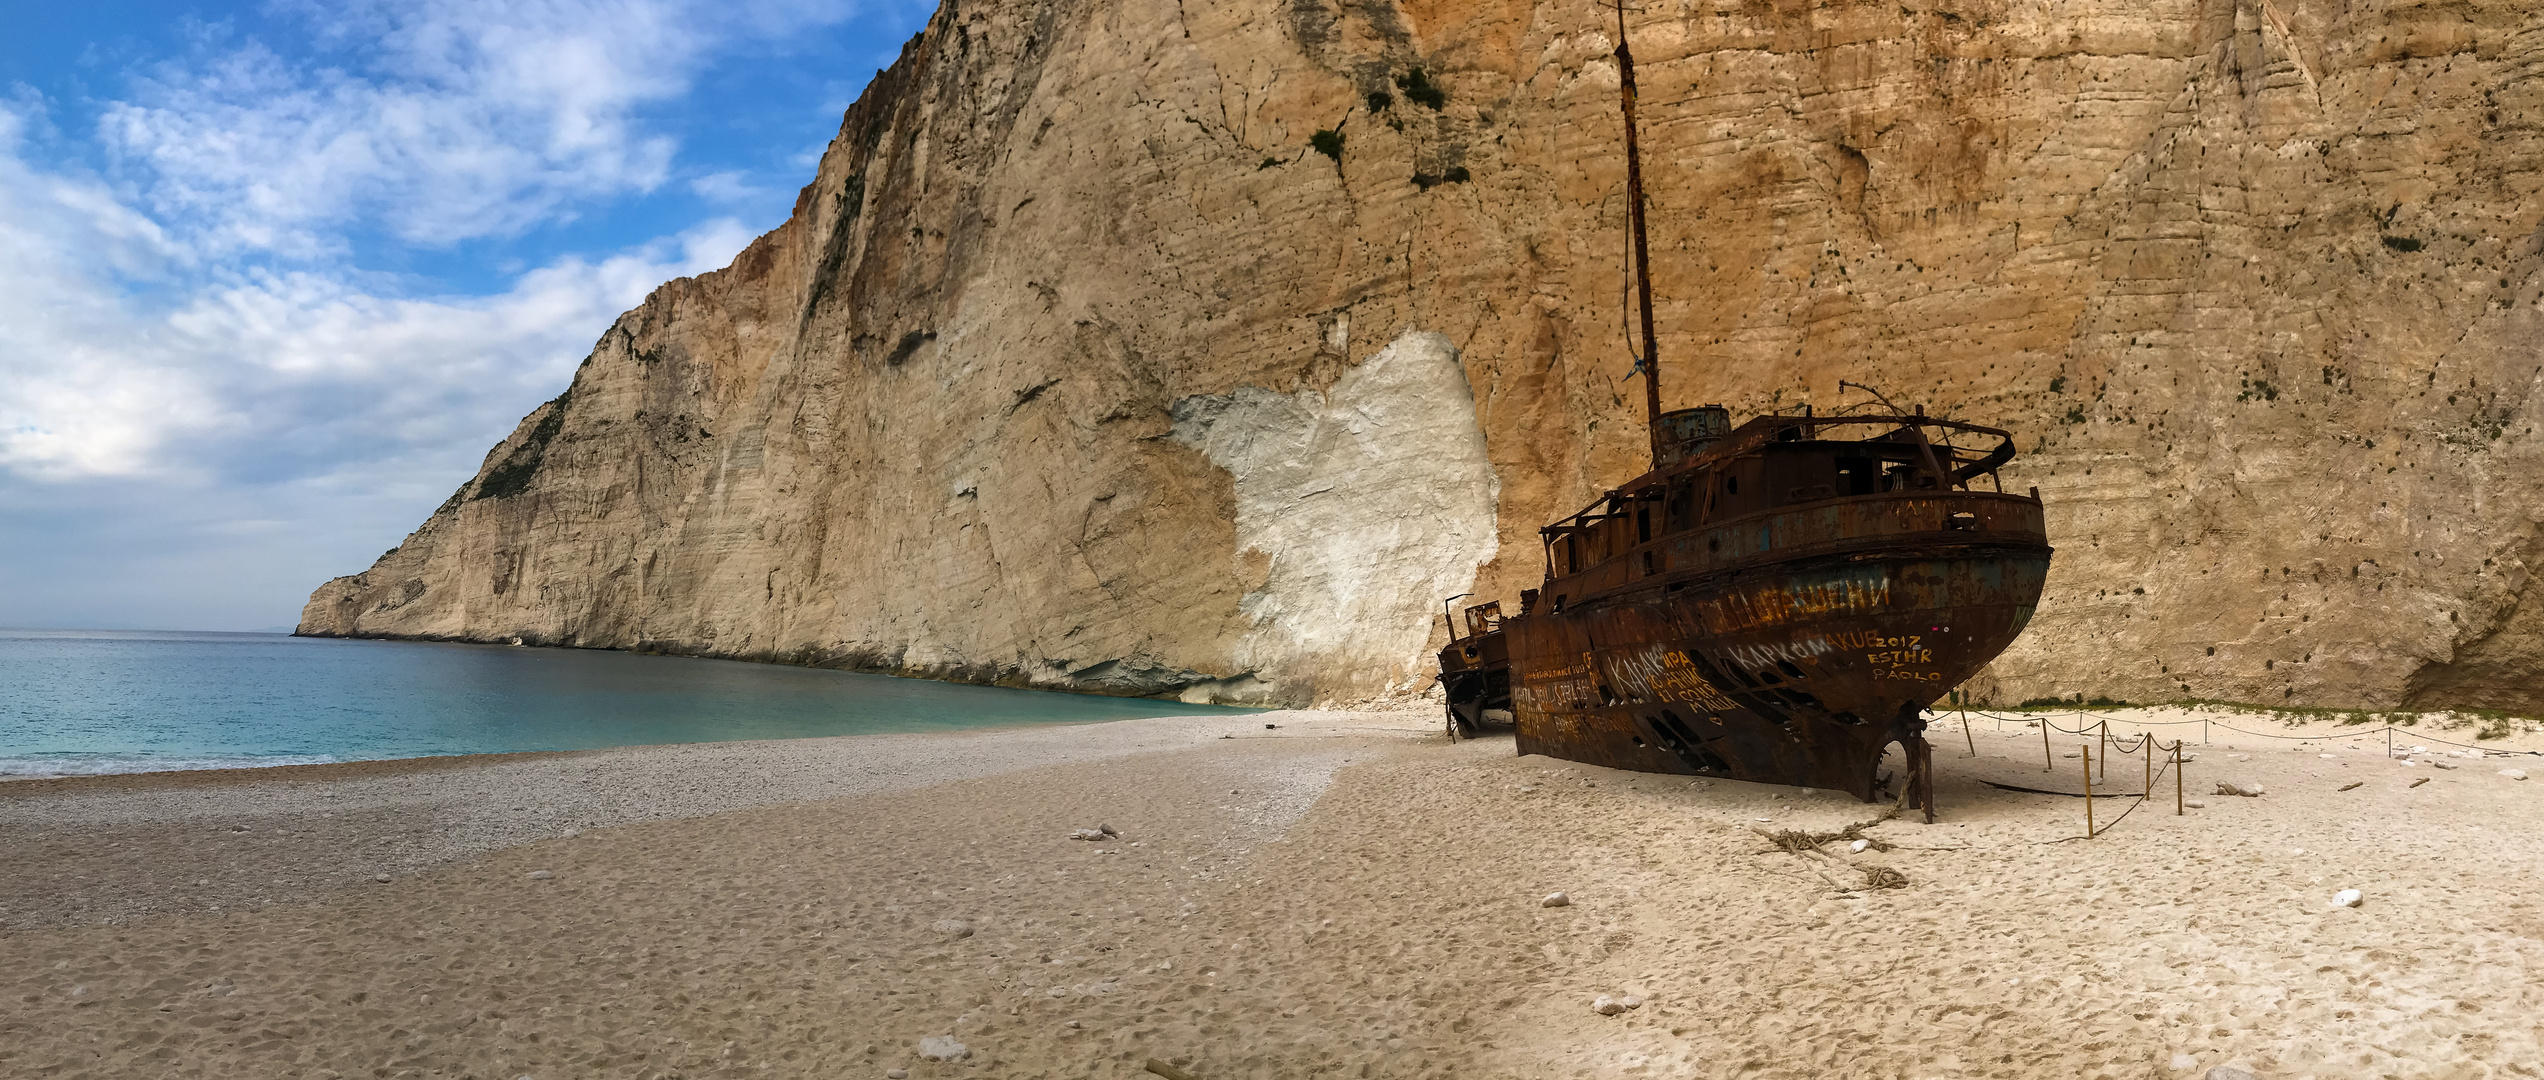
[
  {"x": 2177, "y": 778},
  {"x": 2146, "y": 745},
  {"x": 2104, "y": 737},
  {"x": 1926, "y": 781},
  {"x": 2048, "y": 764},
  {"x": 1965, "y": 733},
  {"x": 2089, "y": 828}
]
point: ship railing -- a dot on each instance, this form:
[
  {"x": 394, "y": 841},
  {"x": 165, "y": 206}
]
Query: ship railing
[{"x": 1961, "y": 466}]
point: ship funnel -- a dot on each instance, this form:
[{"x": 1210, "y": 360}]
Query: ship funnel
[{"x": 1685, "y": 433}]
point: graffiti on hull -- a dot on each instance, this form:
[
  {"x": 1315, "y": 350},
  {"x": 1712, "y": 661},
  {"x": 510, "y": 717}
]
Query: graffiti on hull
[
  {"x": 1662, "y": 674},
  {"x": 1749, "y": 609}
]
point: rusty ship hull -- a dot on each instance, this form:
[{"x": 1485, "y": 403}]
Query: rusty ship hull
[
  {"x": 1791, "y": 674},
  {"x": 1776, "y": 605}
]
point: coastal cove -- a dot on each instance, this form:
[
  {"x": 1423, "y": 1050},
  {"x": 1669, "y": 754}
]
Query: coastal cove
[{"x": 81, "y": 702}]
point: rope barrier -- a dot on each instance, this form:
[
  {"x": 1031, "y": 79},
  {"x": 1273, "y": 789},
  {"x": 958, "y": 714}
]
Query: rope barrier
[
  {"x": 2146, "y": 744},
  {"x": 2145, "y": 793},
  {"x": 2417, "y": 735}
]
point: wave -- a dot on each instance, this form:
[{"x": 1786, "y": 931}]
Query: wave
[{"x": 53, "y": 765}]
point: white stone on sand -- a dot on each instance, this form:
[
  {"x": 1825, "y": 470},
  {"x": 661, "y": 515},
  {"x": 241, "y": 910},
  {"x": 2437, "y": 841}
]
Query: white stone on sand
[
  {"x": 2347, "y": 898},
  {"x": 1555, "y": 899},
  {"x": 942, "y": 1048}
]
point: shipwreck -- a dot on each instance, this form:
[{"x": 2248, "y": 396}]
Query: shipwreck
[{"x": 1778, "y": 601}]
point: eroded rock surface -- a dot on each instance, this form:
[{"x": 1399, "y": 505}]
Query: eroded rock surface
[{"x": 1044, "y": 379}]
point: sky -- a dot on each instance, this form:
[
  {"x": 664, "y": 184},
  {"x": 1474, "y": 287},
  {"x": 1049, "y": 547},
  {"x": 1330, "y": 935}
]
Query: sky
[{"x": 274, "y": 277}]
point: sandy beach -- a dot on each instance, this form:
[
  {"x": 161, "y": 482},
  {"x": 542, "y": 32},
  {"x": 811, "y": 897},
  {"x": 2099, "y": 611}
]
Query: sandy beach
[{"x": 1345, "y": 894}]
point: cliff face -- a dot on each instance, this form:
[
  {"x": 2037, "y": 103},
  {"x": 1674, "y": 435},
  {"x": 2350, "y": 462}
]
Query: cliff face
[{"x": 1077, "y": 365}]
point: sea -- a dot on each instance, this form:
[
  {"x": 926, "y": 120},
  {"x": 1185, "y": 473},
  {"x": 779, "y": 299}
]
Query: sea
[{"x": 86, "y": 702}]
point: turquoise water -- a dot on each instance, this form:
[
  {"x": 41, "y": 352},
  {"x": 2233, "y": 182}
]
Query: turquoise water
[{"x": 86, "y": 701}]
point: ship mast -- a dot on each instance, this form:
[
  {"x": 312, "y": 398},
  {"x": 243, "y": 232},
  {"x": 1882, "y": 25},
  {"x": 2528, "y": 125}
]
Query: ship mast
[{"x": 1650, "y": 360}]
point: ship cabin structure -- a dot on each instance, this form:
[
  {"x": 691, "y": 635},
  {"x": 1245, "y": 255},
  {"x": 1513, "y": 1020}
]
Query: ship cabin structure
[{"x": 1779, "y": 489}]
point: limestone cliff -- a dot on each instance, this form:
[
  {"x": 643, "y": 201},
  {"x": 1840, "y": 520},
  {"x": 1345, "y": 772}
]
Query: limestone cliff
[{"x": 1164, "y": 347}]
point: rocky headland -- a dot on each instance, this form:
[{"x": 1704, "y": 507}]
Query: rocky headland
[{"x": 1163, "y": 348}]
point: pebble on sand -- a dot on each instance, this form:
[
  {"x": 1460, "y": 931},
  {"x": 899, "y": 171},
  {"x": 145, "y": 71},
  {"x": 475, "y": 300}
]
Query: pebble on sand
[
  {"x": 2185, "y": 1062},
  {"x": 540, "y": 875},
  {"x": 1555, "y": 899},
  {"x": 954, "y": 928},
  {"x": 2514, "y": 774},
  {"x": 897, "y": 1074},
  {"x": 2346, "y": 898},
  {"x": 2245, "y": 790},
  {"x": 2226, "y": 1072},
  {"x": 942, "y": 1048},
  {"x": 2196, "y": 804},
  {"x": 1858, "y": 846},
  {"x": 1606, "y": 1006},
  {"x": 1087, "y": 834}
]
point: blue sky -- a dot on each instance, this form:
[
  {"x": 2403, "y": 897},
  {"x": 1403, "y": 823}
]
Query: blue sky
[{"x": 273, "y": 277}]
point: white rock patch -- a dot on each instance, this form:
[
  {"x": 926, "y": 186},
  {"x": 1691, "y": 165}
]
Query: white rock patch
[{"x": 1373, "y": 499}]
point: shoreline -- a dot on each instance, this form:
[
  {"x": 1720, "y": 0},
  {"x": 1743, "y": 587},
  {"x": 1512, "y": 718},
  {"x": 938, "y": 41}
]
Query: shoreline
[
  {"x": 318, "y": 826},
  {"x": 1344, "y": 894},
  {"x": 2167, "y": 722}
]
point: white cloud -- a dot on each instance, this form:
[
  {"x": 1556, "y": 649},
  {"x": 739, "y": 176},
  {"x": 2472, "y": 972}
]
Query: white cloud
[
  {"x": 192, "y": 309},
  {"x": 205, "y": 406},
  {"x": 445, "y": 120},
  {"x": 726, "y": 188},
  {"x": 258, "y": 369}
]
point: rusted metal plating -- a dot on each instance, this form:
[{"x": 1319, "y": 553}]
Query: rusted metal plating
[
  {"x": 1475, "y": 672},
  {"x": 1779, "y": 605}
]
